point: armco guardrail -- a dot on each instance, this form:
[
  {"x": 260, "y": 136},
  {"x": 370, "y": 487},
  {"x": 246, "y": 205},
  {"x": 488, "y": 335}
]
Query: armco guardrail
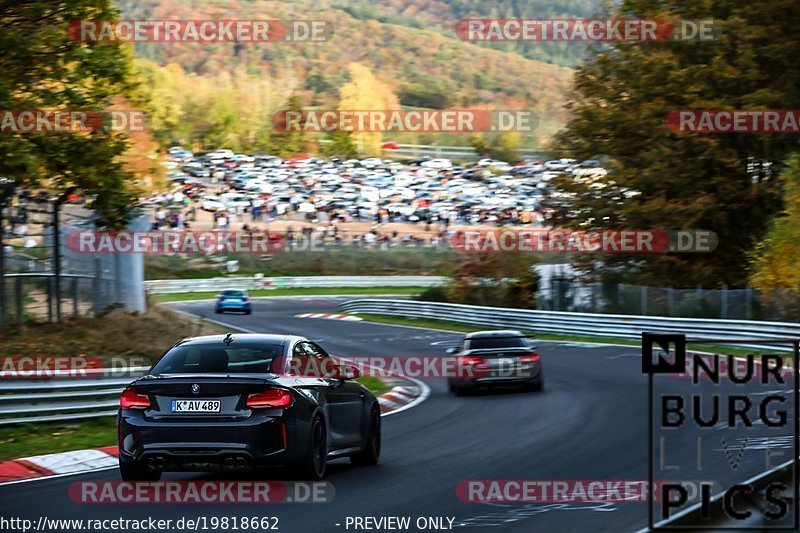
[
  {"x": 168, "y": 286},
  {"x": 584, "y": 324},
  {"x": 63, "y": 399}
]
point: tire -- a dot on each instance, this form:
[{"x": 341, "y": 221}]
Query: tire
[
  {"x": 371, "y": 453},
  {"x": 137, "y": 472},
  {"x": 218, "y": 311},
  {"x": 453, "y": 388},
  {"x": 249, "y": 312},
  {"x": 458, "y": 390},
  {"x": 313, "y": 465}
]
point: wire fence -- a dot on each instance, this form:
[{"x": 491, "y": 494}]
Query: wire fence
[
  {"x": 737, "y": 304},
  {"x": 37, "y": 288}
]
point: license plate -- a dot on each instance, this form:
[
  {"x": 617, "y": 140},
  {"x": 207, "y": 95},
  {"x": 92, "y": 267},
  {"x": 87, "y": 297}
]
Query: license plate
[{"x": 195, "y": 406}]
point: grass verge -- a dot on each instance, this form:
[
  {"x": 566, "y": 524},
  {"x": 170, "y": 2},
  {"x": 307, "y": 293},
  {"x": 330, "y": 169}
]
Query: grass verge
[
  {"x": 300, "y": 291},
  {"x": 376, "y": 385},
  {"x": 26, "y": 440}
]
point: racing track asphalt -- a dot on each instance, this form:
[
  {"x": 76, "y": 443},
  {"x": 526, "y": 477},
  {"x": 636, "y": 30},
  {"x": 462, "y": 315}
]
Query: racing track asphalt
[{"x": 589, "y": 423}]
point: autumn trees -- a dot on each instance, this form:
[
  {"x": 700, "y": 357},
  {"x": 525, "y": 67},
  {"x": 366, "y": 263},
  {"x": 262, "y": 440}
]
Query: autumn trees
[
  {"x": 726, "y": 183},
  {"x": 43, "y": 68}
]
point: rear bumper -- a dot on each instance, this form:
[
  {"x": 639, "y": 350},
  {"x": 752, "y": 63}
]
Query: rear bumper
[
  {"x": 532, "y": 376},
  {"x": 206, "y": 446},
  {"x": 226, "y": 306}
]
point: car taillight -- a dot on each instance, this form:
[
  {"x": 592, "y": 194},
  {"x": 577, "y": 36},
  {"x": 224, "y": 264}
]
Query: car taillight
[
  {"x": 130, "y": 399},
  {"x": 269, "y": 398},
  {"x": 221, "y": 298},
  {"x": 245, "y": 299},
  {"x": 469, "y": 360},
  {"x": 530, "y": 358}
]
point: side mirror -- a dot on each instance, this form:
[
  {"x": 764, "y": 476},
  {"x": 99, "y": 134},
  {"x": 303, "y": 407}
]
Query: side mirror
[{"x": 452, "y": 350}]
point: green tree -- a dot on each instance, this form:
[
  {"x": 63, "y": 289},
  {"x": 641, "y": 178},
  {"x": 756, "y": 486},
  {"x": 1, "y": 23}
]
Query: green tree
[
  {"x": 776, "y": 258},
  {"x": 42, "y": 67},
  {"x": 665, "y": 179},
  {"x": 340, "y": 145},
  {"x": 287, "y": 142},
  {"x": 500, "y": 146},
  {"x": 490, "y": 278}
]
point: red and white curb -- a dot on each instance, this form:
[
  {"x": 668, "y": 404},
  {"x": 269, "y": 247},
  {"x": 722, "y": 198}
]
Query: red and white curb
[
  {"x": 402, "y": 397},
  {"x": 330, "y": 316},
  {"x": 58, "y": 464}
]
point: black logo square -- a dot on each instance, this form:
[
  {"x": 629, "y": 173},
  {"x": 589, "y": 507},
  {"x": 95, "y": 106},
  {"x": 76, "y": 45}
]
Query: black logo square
[{"x": 668, "y": 343}]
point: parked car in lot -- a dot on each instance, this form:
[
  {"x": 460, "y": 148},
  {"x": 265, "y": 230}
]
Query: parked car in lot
[
  {"x": 423, "y": 189},
  {"x": 438, "y": 164},
  {"x": 496, "y": 357},
  {"x": 211, "y": 203},
  {"x": 235, "y": 200},
  {"x": 233, "y": 300},
  {"x": 220, "y": 154},
  {"x": 241, "y": 402}
]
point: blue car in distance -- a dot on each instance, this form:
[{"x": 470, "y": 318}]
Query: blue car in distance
[{"x": 233, "y": 300}]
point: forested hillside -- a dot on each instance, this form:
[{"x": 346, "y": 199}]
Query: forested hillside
[{"x": 423, "y": 67}]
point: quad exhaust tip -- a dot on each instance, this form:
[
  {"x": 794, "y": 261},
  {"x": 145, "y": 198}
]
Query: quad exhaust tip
[{"x": 232, "y": 463}]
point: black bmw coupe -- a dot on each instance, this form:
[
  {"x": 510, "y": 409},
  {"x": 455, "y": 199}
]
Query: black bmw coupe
[{"x": 245, "y": 401}]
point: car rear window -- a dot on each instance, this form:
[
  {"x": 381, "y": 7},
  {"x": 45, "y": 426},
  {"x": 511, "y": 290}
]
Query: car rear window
[
  {"x": 484, "y": 343},
  {"x": 233, "y": 294},
  {"x": 217, "y": 359}
]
